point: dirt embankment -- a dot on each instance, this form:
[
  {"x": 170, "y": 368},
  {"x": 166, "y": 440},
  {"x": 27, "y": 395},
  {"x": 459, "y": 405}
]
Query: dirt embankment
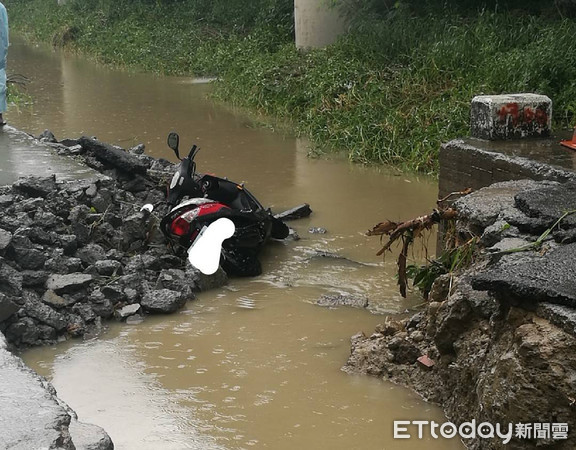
[{"x": 501, "y": 336}]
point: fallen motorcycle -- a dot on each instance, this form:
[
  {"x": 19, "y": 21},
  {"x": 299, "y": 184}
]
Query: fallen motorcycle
[{"x": 198, "y": 200}]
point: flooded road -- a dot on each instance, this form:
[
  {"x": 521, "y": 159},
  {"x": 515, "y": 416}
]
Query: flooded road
[{"x": 255, "y": 364}]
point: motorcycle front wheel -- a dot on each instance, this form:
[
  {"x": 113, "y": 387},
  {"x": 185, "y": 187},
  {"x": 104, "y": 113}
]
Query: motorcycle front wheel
[{"x": 241, "y": 263}]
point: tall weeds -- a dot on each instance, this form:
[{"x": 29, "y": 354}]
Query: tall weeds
[{"x": 391, "y": 91}]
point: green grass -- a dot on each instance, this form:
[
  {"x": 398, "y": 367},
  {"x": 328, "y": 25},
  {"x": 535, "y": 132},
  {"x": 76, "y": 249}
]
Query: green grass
[{"x": 389, "y": 92}]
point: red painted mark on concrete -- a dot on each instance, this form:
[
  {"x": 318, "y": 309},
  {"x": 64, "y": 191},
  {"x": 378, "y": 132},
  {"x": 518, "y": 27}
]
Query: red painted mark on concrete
[
  {"x": 510, "y": 109},
  {"x": 529, "y": 115},
  {"x": 541, "y": 117},
  {"x": 525, "y": 115}
]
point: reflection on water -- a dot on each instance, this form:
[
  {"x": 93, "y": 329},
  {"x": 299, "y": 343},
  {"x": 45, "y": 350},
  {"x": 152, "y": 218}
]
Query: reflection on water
[
  {"x": 255, "y": 364},
  {"x": 21, "y": 155},
  {"x": 219, "y": 375}
]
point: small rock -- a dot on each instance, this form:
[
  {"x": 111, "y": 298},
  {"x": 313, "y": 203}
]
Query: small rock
[
  {"x": 101, "y": 306},
  {"x": 176, "y": 280},
  {"x": 36, "y": 186},
  {"x": 29, "y": 258},
  {"x": 10, "y": 280},
  {"x": 163, "y": 301},
  {"x": 42, "y": 237},
  {"x": 496, "y": 232},
  {"x": 433, "y": 308},
  {"x": 114, "y": 254},
  {"x": 417, "y": 336},
  {"x": 131, "y": 295},
  {"x": 91, "y": 253},
  {"x": 89, "y": 437},
  {"x": 108, "y": 267},
  {"x": 389, "y": 327},
  {"x": 47, "y": 136},
  {"x": 135, "y": 319},
  {"x": 76, "y": 326},
  {"x": 46, "y": 219},
  {"x": 46, "y": 334},
  {"x": 78, "y": 213},
  {"x": 45, "y": 314},
  {"x": 6, "y": 200},
  {"x": 69, "y": 243},
  {"x": 404, "y": 351},
  {"x": 85, "y": 311},
  {"x": 440, "y": 289},
  {"x": 317, "y": 230},
  {"x": 335, "y": 300},
  {"x": 75, "y": 150},
  {"x": 139, "y": 263},
  {"x": 113, "y": 293},
  {"x": 66, "y": 284},
  {"x": 206, "y": 282},
  {"x": 24, "y": 330},
  {"x": 138, "y": 149},
  {"x": 92, "y": 190},
  {"x": 508, "y": 244},
  {"x": 7, "y": 307},
  {"x": 415, "y": 320},
  {"x": 63, "y": 265},
  {"x": 127, "y": 311},
  {"x": 56, "y": 301},
  {"x": 5, "y": 239}
]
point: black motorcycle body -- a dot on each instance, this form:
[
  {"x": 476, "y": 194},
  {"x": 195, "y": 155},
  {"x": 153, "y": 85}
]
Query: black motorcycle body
[{"x": 197, "y": 200}]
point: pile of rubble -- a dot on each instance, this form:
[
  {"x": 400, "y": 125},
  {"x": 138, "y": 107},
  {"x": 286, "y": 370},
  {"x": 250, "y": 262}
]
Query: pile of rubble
[{"x": 74, "y": 253}]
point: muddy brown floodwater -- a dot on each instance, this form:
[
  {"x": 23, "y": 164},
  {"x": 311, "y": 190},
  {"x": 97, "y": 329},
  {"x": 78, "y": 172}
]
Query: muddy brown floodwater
[{"x": 255, "y": 364}]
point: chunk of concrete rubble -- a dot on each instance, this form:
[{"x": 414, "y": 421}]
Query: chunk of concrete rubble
[
  {"x": 33, "y": 417},
  {"x": 426, "y": 362},
  {"x": 113, "y": 156},
  {"x": 163, "y": 301},
  {"x": 510, "y": 116},
  {"x": 36, "y": 186},
  {"x": 89, "y": 437},
  {"x": 69, "y": 283},
  {"x": 298, "y": 212},
  {"x": 340, "y": 299},
  {"x": 127, "y": 311},
  {"x": 529, "y": 277},
  {"x": 484, "y": 207}
]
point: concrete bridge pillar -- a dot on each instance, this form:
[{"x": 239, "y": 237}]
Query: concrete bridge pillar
[{"x": 317, "y": 24}]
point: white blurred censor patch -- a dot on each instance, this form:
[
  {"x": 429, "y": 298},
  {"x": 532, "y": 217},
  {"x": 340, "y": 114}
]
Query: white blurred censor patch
[{"x": 204, "y": 254}]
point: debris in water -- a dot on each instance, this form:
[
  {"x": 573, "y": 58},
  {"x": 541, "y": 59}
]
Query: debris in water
[
  {"x": 298, "y": 212},
  {"x": 409, "y": 230}
]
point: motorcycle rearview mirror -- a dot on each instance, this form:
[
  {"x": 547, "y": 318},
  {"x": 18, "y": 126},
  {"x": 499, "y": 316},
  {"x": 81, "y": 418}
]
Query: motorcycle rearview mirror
[{"x": 173, "y": 142}]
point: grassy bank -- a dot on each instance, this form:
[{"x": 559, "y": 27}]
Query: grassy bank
[{"x": 389, "y": 92}]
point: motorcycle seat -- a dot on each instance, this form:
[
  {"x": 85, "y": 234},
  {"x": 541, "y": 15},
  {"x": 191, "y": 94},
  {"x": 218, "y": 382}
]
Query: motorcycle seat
[{"x": 228, "y": 193}]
